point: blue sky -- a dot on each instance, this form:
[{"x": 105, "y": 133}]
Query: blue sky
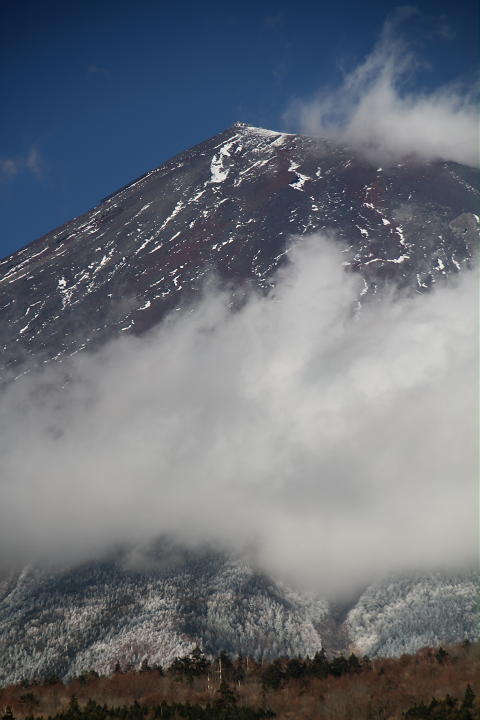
[{"x": 95, "y": 93}]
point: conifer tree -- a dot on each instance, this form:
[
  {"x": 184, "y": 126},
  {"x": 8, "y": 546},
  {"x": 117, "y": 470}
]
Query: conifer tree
[{"x": 468, "y": 698}]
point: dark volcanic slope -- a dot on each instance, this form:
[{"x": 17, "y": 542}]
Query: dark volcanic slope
[{"x": 229, "y": 204}]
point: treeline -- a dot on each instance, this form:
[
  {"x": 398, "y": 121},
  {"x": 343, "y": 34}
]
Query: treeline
[
  {"x": 224, "y": 707},
  {"x": 223, "y": 668},
  {"x": 272, "y": 675},
  {"x": 448, "y": 709},
  {"x": 434, "y": 684},
  {"x": 280, "y": 672}
]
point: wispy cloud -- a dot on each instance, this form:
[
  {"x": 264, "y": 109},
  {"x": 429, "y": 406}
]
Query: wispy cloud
[
  {"x": 374, "y": 111},
  {"x": 9, "y": 168},
  {"x": 34, "y": 162},
  {"x": 30, "y": 162},
  {"x": 98, "y": 70},
  {"x": 334, "y": 446}
]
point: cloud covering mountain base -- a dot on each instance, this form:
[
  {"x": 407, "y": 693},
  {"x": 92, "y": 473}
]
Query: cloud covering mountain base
[{"x": 330, "y": 443}]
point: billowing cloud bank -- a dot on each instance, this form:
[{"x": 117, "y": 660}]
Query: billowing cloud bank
[
  {"x": 333, "y": 445},
  {"x": 373, "y": 112}
]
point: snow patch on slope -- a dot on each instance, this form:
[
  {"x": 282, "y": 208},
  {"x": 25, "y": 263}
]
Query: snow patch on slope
[{"x": 218, "y": 171}]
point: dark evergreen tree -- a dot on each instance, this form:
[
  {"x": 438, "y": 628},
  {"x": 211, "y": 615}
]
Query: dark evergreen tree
[
  {"x": 441, "y": 655},
  {"x": 366, "y": 663},
  {"x": 273, "y": 676},
  {"x": 354, "y": 665},
  {"x": 319, "y": 666},
  {"x": 190, "y": 666},
  {"x": 295, "y": 669},
  {"x": 199, "y": 662},
  {"x": 226, "y": 697},
  {"x": 468, "y": 698},
  {"x": 339, "y": 666}
]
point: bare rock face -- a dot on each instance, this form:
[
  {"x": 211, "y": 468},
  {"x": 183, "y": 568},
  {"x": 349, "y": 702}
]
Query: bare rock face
[
  {"x": 229, "y": 206},
  {"x": 465, "y": 228}
]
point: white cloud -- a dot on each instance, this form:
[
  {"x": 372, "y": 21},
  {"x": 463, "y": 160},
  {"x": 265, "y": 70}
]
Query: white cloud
[
  {"x": 333, "y": 445},
  {"x": 372, "y": 111}
]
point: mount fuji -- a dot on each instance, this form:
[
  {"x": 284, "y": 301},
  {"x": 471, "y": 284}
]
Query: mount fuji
[{"x": 229, "y": 208}]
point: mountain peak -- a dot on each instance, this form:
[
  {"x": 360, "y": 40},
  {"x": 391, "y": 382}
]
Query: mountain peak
[{"x": 239, "y": 125}]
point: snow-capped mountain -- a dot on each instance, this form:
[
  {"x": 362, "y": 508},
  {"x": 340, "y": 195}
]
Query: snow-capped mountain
[{"x": 228, "y": 206}]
